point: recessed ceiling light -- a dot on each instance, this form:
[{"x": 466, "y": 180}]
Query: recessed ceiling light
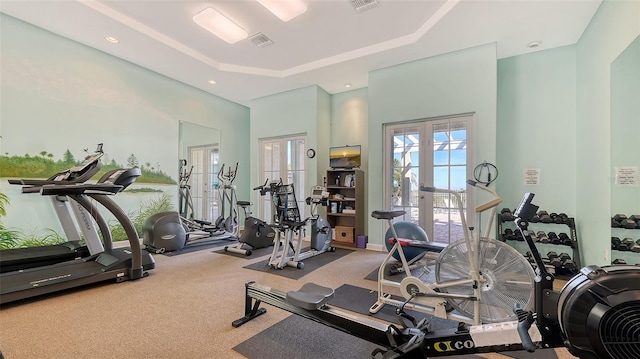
[
  {"x": 211, "y": 82},
  {"x": 534, "y": 44},
  {"x": 220, "y": 25},
  {"x": 347, "y": 85},
  {"x": 112, "y": 39},
  {"x": 285, "y": 10}
]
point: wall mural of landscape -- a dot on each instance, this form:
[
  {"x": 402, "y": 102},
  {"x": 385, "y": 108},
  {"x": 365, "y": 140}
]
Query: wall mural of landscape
[{"x": 151, "y": 193}]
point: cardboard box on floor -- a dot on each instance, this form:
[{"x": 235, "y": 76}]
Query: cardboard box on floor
[{"x": 344, "y": 234}]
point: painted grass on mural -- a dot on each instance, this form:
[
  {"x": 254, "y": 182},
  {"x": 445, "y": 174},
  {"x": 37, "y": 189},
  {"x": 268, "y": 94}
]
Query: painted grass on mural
[{"x": 16, "y": 238}]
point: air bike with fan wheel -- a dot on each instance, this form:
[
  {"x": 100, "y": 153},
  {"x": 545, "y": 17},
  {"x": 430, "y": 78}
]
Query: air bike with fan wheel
[
  {"x": 478, "y": 276},
  {"x": 596, "y": 315}
]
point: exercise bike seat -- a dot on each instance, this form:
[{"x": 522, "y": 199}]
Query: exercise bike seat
[
  {"x": 244, "y": 203},
  {"x": 382, "y": 214},
  {"x": 310, "y": 297},
  {"x": 428, "y": 246}
]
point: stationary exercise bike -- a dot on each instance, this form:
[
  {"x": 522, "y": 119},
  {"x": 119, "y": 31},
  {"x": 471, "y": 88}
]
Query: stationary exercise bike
[
  {"x": 478, "y": 276},
  {"x": 290, "y": 229},
  {"x": 256, "y": 233},
  {"x": 596, "y": 315}
]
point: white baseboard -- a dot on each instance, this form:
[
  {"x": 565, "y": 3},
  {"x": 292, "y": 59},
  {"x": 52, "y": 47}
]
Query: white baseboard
[{"x": 376, "y": 247}]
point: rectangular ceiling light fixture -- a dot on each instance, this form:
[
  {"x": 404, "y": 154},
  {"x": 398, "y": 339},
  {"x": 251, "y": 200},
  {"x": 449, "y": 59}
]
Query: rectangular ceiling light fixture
[
  {"x": 220, "y": 25},
  {"x": 285, "y": 9}
]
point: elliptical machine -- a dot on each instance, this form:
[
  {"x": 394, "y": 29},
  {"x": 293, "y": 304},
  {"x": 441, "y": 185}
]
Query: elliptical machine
[
  {"x": 257, "y": 233},
  {"x": 171, "y": 231},
  {"x": 226, "y": 225}
]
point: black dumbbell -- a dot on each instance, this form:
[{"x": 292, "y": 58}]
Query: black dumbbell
[
  {"x": 518, "y": 236},
  {"x": 614, "y": 223},
  {"x": 626, "y": 244},
  {"x": 628, "y": 223},
  {"x": 529, "y": 257},
  {"x": 565, "y": 239},
  {"x": 618, "y": 218},
  {"x": 554, "y": 259},
  {"x": 567, "y": 262},
  {"x": 615, "y": 242},
  {"x": 535, "y": 219},
  {"x": 619, "y": 261},
  {"x": 508, "y": 234},
  {"x": 532, "y": 234},
  {"x": 636, "y": 218},
  {"x": 636, "y": 247},
  {"x": 553, "y": 238},
  {"x": 542, "y": 237},
  {"x": 629, "y": 242},
  {"x": 507, "y": 215},
  {"x": 561, "y": 218},
  {"x": 544, "y": 217}
]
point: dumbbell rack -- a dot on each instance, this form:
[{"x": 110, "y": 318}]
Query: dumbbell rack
[
  {"x": 619, "y": 231},
  {"x": 566, "y": 226}
]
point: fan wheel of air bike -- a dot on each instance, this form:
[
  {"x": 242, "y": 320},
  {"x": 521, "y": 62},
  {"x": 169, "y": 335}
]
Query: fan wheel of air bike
[{"x": 508, "y": 279}]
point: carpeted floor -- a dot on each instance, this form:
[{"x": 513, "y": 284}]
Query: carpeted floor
[{"x": 183, "y": 309}]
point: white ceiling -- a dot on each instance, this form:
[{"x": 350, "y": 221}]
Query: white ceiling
[{"x": 331, "y": 44}]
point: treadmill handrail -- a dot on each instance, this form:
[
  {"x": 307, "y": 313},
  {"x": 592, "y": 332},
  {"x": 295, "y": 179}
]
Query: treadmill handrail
[{"x": 86, "y": 188}]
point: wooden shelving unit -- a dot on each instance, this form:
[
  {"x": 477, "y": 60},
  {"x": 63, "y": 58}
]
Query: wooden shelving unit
[{"x": 345, "y": 211}]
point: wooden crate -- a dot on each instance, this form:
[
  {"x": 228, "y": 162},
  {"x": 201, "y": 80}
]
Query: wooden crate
[{"x": 344, "y": 234}]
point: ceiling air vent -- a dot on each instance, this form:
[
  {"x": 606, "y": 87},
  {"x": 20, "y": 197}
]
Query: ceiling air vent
[
  {"x": 362, "y": 5},
  {"x": 261, "y": 40}
]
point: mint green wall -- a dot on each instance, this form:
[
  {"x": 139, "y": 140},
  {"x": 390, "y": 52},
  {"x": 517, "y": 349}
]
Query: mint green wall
[
  {"x": 58, "y": 94},
  {"x": 536, "y": 128},
  {"x": 350, "y": 124},
  {"x": 322, "y": 137},
  {"x": 625, "y": 109},
  {"x": 301, "y": 111},
  {"x": 455, "y": 83},
  {"x": 612, "y": 29}
]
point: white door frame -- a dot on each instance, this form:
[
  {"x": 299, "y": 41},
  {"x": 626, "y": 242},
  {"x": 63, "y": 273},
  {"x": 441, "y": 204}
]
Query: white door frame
[
  {"x": 204, "y": 181},
  {"x": 419, "y": 146}
]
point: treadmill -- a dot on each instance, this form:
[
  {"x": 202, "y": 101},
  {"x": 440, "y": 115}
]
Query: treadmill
[
  {"x": 22, "y": 258},
  {"x": 117, "y": 265}
]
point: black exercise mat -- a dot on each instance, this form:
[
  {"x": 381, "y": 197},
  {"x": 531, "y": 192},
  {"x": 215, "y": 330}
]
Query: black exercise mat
[
  {"x": 255, "y": 253},
  {"x": 359, "y": 300},
  {"x": 299, "y": 338},
  {"x": 310, "y": 264},
  {"x": 200, "y": 245}
]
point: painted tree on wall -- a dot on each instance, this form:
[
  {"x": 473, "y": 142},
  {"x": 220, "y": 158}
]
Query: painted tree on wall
[{"x": 132, "y": 161}]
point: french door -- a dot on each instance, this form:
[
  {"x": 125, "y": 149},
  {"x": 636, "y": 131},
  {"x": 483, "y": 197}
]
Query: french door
[
  {"x": 283, "y": 158},
  {"x": 204, "y": 182},
  {"x": 437, "y": 153}
]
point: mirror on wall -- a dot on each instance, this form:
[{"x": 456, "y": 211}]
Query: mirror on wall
[
  {"x": 625, "y": 163},
  {"x": 198, "y": 165}
]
